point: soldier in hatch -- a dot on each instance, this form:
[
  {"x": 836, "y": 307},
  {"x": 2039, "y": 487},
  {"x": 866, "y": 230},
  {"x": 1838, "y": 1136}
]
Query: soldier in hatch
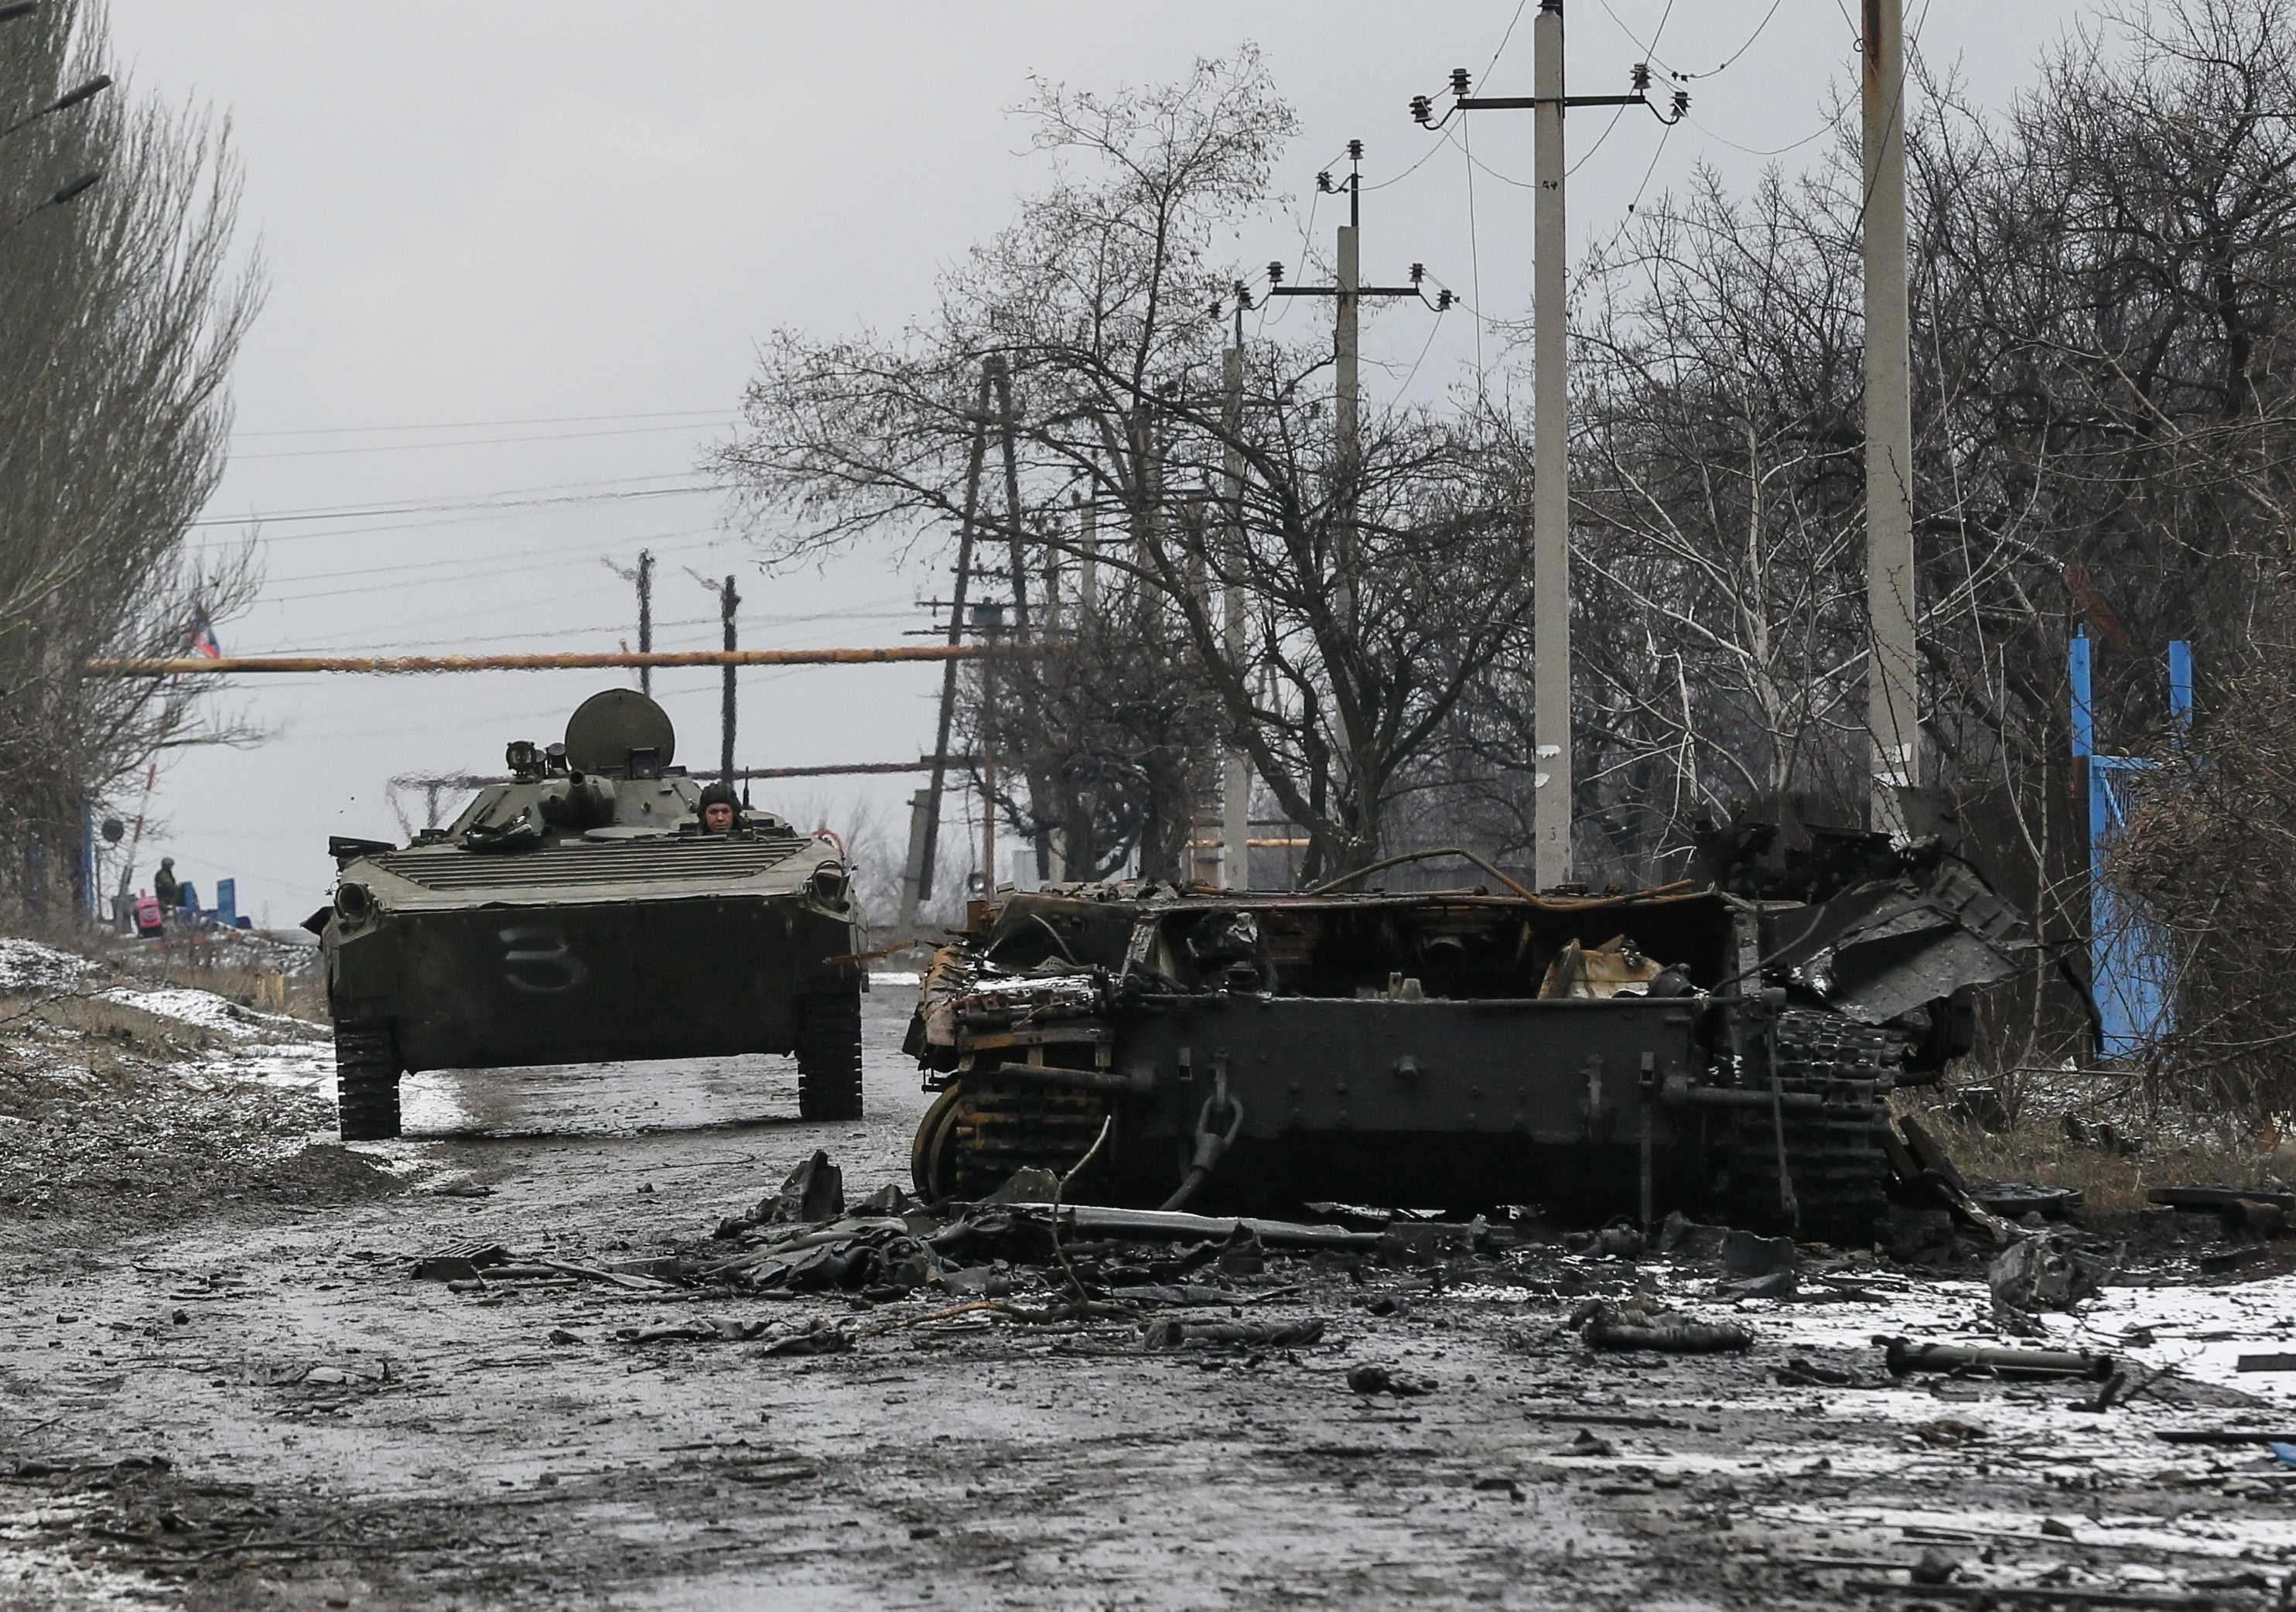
[{"x": 721, "y": 813}]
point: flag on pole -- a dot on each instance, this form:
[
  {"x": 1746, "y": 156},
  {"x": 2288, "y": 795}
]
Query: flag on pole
[{"x": 202, "y": 636}]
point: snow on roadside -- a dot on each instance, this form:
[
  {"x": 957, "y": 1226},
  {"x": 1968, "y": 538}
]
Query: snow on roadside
[
  {"x": 211, "y": 1011},
  {"x": 26, "y": 966}
]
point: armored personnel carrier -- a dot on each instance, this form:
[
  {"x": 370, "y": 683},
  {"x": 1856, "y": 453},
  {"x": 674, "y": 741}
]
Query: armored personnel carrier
[
  {"x": 582, "y": 912},
  {"x": 1727, "y": 1051}
]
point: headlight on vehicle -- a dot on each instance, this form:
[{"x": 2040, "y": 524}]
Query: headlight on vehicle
[
  {"x": 831, "y": 884},
  {"x": 353, "y": 902}
]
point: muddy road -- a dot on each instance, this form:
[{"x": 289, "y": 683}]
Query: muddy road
[{"x": 260, "y": 1406}]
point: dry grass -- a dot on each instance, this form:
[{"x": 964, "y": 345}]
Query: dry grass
[{"x": 2036, "y": 1147}]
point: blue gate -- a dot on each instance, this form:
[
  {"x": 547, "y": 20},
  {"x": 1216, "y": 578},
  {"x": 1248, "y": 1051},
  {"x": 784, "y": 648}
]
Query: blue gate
[{"x": 2132, "y": 967}]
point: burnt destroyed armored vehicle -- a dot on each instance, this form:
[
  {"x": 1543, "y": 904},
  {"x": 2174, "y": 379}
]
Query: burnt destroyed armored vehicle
[
  {"x": 1725, "y": 1050},
  {"x": 580, "y": 913}
]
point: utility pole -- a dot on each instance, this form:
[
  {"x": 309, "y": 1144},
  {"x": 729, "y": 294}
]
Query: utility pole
[
  {"x": 646, "y": 619},
  {"x": 1088, "y": 565},
  {"x": 964, "y": 535},
  {"x": 641, "y": 574},
  {"x": 725, "y": 764},
  {"x": 727, "y": 600},
  {"x": 1349, "y": 292},
  {"x": 1235, "y": 777},
  {"x": 1554, "y": 786},
  {"x": 1552, "y": 780},
  {"x": 1040, "y": 788},
  {"x": 989, "y": 619},
  {"x": 1892, "y": 681}
]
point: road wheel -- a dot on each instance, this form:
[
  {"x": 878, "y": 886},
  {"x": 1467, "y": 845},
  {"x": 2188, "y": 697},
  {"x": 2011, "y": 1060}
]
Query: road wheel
[
  {"x": 366, "y": 1082},
  {"x": 829, "y": 1057},
  {"x": 929, "y": 1148}
]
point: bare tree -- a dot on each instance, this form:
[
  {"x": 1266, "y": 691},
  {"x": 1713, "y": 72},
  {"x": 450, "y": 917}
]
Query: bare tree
[
  {"x": 1377, "y": 583},
  {"x": 122, "y": 317}
]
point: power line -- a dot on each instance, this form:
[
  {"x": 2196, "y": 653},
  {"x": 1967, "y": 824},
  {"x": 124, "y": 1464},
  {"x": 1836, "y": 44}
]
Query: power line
[
  {"x": 1822, "y": 129},
  {"x": 463, "y": 425},
  {"x": 492, "y": 571},
  {"x": 556, "y": 550},
  {"x": 409, "y": 447},
  {"x": 866, "y": 612},
  {"x": 415, "y": 506},
  {"x": 1413, "y": 372},
  {"x": 1649, "y": 51},
  {"x": 1588, "y": 155},
  {"x": 471, "y": 518},
  {"x": 462, "y": 514},
  {"x": 1761, "y": 28}
]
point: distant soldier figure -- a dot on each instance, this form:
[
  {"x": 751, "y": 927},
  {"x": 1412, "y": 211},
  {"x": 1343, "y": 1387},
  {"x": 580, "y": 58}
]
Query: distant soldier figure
[
  {"x": 721, "y": 812},
  {"x": 166, "y": 887}
]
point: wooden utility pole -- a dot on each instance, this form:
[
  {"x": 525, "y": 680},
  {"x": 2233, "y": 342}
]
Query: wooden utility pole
[
  {"x": 642, "y": 574},
  {"x": 727, "y": 602},
  {"x": 725, "y": 765},
  {"x": 1892, "y": 681},
  {"x": 646, "y": 619},
  {"x": 1554, "y": 786}
]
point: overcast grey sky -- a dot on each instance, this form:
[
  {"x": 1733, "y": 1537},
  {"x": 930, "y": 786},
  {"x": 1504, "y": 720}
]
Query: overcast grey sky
[{"x": 530, "y": 246}]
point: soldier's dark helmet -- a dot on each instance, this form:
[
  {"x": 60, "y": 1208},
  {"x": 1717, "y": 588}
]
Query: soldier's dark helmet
[{"x": 716, "y": 794}]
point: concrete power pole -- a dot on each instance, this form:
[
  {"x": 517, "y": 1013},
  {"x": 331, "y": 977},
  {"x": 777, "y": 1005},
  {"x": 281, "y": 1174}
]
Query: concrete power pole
[
  {"x": 1235, "y": 776},
  {"x": 1892, "y": 680},
  {"x": 1349, "y": 293},
  {"x": 1551, "y": 784},
  {"x": 1554, "y": 786}
]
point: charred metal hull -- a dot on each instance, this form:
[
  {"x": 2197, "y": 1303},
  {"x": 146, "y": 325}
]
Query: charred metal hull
[{"x": 1597, "y": 1056}]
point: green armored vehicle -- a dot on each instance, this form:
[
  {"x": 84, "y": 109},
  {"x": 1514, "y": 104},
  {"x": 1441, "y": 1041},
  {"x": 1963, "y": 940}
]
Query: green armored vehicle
[{"x": 584, "y": 912}]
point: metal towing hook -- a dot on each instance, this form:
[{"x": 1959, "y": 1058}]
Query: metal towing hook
[{"x": 1212, "y": 1142}]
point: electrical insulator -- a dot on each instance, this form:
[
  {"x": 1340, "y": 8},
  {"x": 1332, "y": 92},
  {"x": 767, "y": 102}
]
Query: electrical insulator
[
  {"x": 1323, "y": 182},
  {"x": 1354, "y": 150},
  {"x": 1421, "y": 112},
  {"x": 1459, "y": 82},
  {"x": 1443, "y": 300},
  {"x": 1641, "y": 77},
  {"x": 1418, "y": 273},
  {"x": 1243, "y": 299},
  {"x": 1681, "y": 105},
  {"x": 1275, "y": 273}
]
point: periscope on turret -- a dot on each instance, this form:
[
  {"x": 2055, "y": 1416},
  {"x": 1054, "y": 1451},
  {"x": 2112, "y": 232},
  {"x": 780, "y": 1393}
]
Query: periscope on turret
[{"x": 582, "y": 911}]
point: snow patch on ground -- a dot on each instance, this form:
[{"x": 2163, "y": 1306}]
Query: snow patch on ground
[
  {"x": 26, "y": 966},
  {"x": 211, "y": 1011}
]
